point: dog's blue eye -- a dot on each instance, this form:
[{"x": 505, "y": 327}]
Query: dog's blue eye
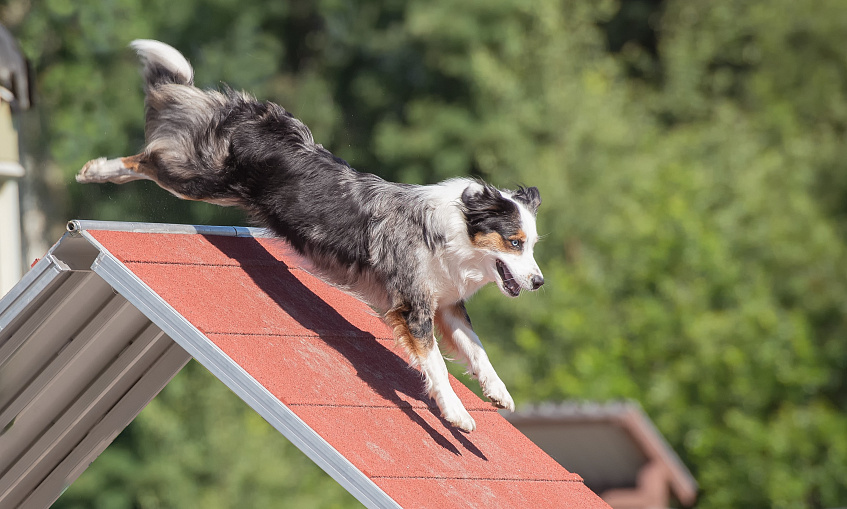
[{"x": 516, "y": 243}]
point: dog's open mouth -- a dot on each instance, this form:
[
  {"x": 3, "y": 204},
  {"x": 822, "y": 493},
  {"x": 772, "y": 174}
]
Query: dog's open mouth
[{"x": 512, "y": 287}]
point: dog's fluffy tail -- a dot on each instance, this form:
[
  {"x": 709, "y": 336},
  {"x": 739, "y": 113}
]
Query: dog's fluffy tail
[{"x": 162, "y": 64}]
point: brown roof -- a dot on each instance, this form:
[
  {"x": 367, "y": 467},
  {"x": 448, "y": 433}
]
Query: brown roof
[{"x": 614, "y": 446}]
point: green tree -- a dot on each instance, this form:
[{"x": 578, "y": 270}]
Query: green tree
[{"x": 689, "y": 154}]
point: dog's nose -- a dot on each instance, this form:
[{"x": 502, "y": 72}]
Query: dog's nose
[{"x": 537, "y": 280}]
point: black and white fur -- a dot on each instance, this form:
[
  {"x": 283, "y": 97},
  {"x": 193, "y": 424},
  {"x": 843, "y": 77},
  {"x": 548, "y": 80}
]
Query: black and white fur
[{"x": 415, "y": 253}]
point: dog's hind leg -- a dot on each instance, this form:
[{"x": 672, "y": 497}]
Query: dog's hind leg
[
  {"x": 457, "y": 332},
  {"x": 413, "y": 330},
  {"x": 184, "y": 184},
  {"x": 116, "y": 171}
]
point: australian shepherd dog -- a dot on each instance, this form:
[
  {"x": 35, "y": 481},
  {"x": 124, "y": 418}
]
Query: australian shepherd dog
[{"x": 414, "y": 253}]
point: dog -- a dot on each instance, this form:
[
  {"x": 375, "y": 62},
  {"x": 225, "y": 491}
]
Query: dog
[{"x": 414, "y": 253}]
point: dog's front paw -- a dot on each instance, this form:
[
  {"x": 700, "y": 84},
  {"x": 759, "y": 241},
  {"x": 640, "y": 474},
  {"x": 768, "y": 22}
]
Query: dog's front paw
[
  {"x": 495, "y": 390},
  {"x": 454, "y": 412},
  {"x": 459, "y": 417}
]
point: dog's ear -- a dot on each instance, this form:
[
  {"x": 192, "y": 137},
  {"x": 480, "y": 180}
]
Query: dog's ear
[
  {"x": 530, "y": 197},
  {"x": 480, "y": 198},
  {"x": 485, "y": 208}
]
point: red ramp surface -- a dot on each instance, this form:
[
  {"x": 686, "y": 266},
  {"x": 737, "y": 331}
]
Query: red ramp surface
[{"x": 323, "y": 369}]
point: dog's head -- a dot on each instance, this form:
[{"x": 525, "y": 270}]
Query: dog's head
[{"x": 501, "y": 224}]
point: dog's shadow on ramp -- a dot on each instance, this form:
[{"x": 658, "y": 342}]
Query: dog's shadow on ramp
[{"x": 384, "y": 372}]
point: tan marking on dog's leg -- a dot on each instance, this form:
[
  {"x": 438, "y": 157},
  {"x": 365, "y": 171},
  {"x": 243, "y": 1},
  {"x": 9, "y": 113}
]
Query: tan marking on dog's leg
[
  {"x": 424, "y": 353},
  {"x": 402, "y": 335},
  {"x": 462, "y": 341},
  {"x": 141, "y": 164}
]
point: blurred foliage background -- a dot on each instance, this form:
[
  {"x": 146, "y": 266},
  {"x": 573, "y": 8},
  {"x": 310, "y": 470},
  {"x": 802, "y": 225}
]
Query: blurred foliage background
[{"x": 691, "y": 157}]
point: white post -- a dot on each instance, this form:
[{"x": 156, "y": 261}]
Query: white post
[
  {"x": 10, "y": 236},
  {"x": 11, "y": 264}
]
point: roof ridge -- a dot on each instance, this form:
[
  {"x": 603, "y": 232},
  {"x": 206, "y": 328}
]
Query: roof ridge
[
  {"x": 77, "y": 225},
  {"x": 571, "y": 478}
]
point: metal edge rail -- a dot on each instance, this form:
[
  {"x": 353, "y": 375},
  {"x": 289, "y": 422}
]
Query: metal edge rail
[{"x": 79, "y": 225}]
